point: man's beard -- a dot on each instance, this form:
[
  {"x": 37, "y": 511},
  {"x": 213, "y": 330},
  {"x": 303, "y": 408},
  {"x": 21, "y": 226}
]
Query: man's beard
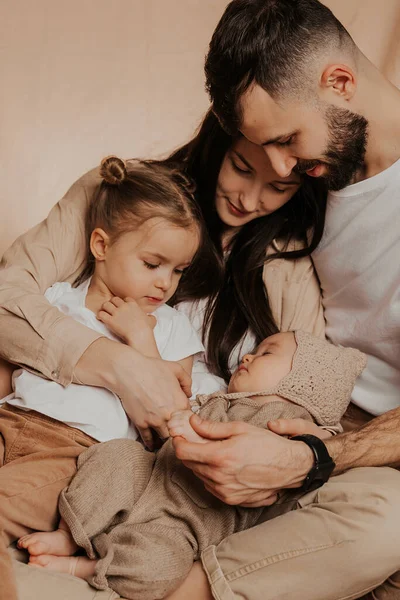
[{"x": 344, "y": 157}]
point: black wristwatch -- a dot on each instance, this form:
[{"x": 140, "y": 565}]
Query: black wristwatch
[{"x": 323, "y": 463}]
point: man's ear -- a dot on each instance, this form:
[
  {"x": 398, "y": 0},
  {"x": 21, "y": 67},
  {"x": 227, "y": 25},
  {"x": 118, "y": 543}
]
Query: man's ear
[
  {"x": 99, "y": 243},
  {"x": 339, "y": 80}
]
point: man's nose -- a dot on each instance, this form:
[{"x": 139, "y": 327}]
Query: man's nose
[{"x": 281, "y": 161}]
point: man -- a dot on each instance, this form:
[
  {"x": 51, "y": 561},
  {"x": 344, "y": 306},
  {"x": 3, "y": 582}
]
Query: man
[{"x": 288, "y": 76}]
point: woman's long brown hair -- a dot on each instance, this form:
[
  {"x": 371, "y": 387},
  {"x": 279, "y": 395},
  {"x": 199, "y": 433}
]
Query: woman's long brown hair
[{"x": 241, "y": 304}]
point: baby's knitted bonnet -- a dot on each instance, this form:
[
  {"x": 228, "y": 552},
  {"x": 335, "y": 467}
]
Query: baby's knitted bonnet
[{"x": 322, "y": 377}]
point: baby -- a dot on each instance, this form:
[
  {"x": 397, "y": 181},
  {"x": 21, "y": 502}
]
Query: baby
[{"x": 155, "y": 517}]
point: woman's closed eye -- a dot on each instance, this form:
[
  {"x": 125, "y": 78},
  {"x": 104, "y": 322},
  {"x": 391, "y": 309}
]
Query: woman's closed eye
[
  {"x": 240, "y": 169},
  {"x": 276, "y": 189}
]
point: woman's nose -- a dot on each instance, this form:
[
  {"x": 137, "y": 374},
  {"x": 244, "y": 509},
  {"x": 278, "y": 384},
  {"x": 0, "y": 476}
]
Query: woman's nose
[{"x": 250, "y": 199}]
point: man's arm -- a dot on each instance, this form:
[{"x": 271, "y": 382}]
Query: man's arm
[
  {"x": 246, "y": 465},
  {"x": 375, "y": 444}
]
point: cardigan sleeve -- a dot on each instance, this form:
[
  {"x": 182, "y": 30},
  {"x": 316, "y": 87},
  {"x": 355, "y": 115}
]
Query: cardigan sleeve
[
  {"x": 33, "y": 333},
  {"x": 294, "y": 294}
]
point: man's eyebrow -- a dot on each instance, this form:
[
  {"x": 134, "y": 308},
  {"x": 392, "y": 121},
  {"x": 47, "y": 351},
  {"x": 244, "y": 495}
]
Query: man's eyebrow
[
  {"x": 278, "y": 138},
  {"x": 242, "y": 158},
  {"x": 287, "y": 182}
]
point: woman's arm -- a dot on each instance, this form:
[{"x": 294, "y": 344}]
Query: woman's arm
[
  {"x": 294, "y": 294},
  {"x": 33, "y": 333}
]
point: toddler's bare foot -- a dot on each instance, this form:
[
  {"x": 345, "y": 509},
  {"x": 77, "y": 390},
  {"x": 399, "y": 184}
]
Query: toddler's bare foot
[
  {"x": 79, "y": 566},
  {"x": 57, "y": 543},
  {"x": 179, "y": 425}
]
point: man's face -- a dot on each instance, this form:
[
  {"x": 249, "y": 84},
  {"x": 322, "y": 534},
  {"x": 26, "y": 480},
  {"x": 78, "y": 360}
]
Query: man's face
[{"x": 319, "y": 140}]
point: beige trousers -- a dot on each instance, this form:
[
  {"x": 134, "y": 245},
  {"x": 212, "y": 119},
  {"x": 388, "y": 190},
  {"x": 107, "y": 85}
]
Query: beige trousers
[
  {"x": 340, "y": 545},
  {"x": 343, "y": 543},
  {"x": 37, "y": 460}
]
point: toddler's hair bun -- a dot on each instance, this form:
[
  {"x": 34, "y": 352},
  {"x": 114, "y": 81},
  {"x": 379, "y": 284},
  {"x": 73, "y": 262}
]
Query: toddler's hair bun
[{"x": 113, "y": 170}]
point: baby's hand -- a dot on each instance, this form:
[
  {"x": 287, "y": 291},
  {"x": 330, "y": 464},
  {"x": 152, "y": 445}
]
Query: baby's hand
[
  {"x": 127, "y": 320},
  {"x": 179, "y": 426}
]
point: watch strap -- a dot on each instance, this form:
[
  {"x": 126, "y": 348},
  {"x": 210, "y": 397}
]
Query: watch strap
[{"x": 323, "y": 462}]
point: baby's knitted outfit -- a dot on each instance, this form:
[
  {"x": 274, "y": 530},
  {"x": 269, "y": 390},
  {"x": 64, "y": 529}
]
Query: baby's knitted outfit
[{"x": 146, "y": 517}]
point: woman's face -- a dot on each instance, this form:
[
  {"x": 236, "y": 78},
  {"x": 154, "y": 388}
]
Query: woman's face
[{"x": 248, "y": 187}]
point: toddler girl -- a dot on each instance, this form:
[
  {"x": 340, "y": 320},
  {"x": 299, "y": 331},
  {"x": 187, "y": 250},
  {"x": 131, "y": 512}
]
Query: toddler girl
[{"x": 143, "y": 230}]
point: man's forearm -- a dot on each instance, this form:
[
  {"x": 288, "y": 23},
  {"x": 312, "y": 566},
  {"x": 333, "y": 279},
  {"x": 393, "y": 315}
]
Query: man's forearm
[{"x": 375, "y": 444}]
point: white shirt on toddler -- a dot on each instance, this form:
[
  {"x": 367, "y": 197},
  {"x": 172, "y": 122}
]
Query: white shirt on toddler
[{"x": 94, "y": 410}]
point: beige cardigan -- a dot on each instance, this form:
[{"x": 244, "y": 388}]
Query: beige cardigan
[{"x": 38, "y": 336}]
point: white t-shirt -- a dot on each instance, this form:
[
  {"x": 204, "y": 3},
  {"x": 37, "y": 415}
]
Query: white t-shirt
[
  {"x": 358, "y": 264},
  {"x": 97, "y": 411}
]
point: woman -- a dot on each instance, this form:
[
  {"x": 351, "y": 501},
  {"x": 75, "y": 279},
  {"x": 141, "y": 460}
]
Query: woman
[
  {"x": 256, "y": 221},
  {"x": 254, "y": 218}
]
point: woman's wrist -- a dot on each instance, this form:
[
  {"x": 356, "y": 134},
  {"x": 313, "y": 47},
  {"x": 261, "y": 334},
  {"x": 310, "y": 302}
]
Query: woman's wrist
[{"x": 101, "y": 364}]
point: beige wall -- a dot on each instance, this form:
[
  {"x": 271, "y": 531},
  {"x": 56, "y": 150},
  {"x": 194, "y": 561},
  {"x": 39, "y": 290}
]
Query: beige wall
[
  {"x": 375, "y": 27},
  {"x": 81, "y": 79},
  {"x": 84, "y": 78}
]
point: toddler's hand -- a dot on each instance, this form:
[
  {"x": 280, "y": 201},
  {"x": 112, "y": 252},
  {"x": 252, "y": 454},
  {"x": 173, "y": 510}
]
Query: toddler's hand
[
  {"x": 179, "y": 426},
  {"x": 127, "y": 320}
]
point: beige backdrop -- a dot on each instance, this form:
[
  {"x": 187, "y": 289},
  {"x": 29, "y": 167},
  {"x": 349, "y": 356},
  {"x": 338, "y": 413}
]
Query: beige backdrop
[{"x": 84, "y": 78}]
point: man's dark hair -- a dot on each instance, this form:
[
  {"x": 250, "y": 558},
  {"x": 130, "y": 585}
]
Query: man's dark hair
[{"x": 270, "y": 43}]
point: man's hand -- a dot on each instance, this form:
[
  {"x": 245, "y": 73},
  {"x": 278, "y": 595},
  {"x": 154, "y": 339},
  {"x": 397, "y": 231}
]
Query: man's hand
[
  {"x": 292, "y": 427},
  {"x": 150, "y": 389},
  {"x": 129, "y": 322},
  {"x": 243, "y": 464}
]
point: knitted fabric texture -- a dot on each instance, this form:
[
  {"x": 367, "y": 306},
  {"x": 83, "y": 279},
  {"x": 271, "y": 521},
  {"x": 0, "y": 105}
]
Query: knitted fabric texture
[{"x": 321, "y": 380}]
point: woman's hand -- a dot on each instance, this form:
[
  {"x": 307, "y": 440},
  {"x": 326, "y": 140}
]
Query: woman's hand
[
  {"x": 150, "y": 389},
  {"x": 291, "y": 427},
  {"x": 243, "y": 464}
]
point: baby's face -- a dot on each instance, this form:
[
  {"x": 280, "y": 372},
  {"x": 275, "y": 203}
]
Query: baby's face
[{"x": 269, "y": 364}]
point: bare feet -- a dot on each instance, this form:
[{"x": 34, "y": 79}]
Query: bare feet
[
  {"x": 57, "y": 543},
  {"x": 79, "y": 566},
  {"x": 179, "y": 425}
]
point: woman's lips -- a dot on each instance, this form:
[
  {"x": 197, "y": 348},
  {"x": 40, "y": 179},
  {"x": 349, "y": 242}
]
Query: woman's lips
[{"x": 235, "y": 211}]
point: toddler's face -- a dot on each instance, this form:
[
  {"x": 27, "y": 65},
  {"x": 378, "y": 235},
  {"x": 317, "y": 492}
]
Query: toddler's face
[
  {"x": 147, "y": 264},
  {"x": 269, "y": 364}
]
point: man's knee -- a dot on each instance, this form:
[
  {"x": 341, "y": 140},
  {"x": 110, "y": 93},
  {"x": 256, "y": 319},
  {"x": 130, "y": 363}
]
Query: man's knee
[{"x": 368, "y": 499}]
